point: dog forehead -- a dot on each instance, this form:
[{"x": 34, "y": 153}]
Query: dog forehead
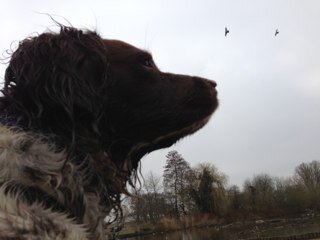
[{"x": 120, "y": 49}]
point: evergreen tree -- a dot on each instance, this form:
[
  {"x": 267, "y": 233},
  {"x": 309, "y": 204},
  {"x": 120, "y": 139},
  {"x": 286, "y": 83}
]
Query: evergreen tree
[{"x": 175, "y": 184}]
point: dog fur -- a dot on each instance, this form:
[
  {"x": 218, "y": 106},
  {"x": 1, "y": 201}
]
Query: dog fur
[{"x": 78, "y": 112}]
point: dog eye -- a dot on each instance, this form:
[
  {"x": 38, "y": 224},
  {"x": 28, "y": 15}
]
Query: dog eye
[{"x": 147, "y": 62}]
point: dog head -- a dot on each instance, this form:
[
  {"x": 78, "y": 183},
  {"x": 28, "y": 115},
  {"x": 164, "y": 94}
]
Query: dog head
[
  {"x": 103, "y": 95},
  {"x": 152, "y": 109}
]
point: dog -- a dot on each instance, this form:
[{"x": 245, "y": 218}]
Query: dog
[{"x": 77, "y": 114}]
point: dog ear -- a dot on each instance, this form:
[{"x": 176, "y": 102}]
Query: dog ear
[{"x": 56, "y": 81}]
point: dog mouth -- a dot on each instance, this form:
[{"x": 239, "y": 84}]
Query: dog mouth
[
  {"x": 193, "y": 115},
  {"x": 141, "y": 149}
]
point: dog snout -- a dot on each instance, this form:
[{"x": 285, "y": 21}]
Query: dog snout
[{"x": 211, "y": 83}]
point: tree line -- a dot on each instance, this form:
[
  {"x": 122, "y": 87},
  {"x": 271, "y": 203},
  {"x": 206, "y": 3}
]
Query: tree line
[{"x": 188, "y": 191}]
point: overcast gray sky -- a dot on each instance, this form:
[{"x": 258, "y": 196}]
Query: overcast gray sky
[{"x": 269, "y": 87}]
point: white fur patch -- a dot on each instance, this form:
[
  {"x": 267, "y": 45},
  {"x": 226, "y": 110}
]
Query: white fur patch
[{"x": 21, "y": 220}]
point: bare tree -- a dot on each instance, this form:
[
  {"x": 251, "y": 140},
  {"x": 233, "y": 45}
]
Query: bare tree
[
  {"x": 235, "y": 197},
  {"x": 154, "y": 197},
  {"x": 260, "y": 193},
  {"x": 307, "y": 175}
]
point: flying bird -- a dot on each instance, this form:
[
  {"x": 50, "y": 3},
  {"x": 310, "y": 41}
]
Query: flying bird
[
  {"x": 226, "y": 31},
  {"x": 277, "y": 32}
]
